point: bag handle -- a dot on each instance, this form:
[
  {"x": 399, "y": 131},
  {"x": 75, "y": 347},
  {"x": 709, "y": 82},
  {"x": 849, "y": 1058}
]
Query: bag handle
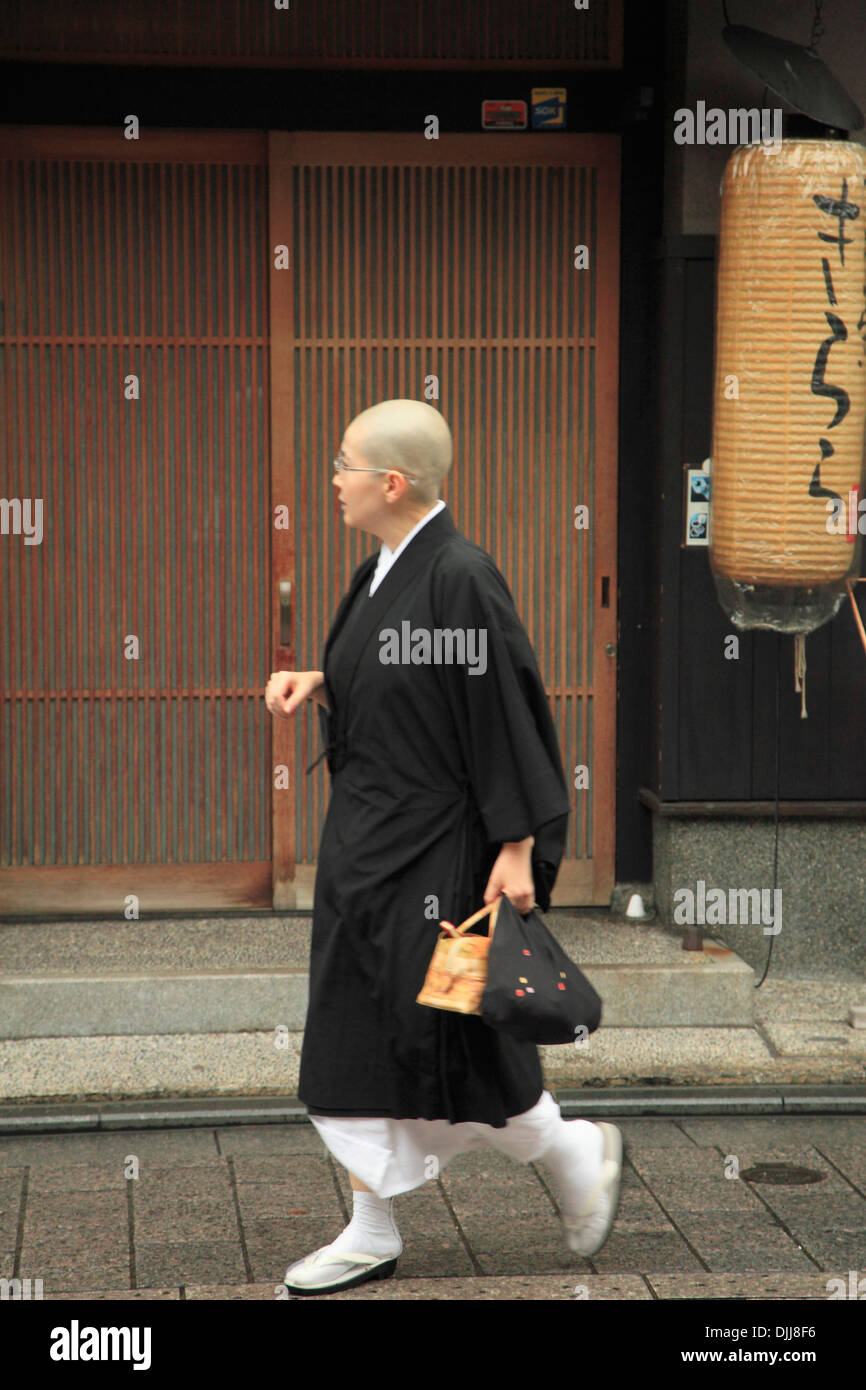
[{"x": 476, "y": 917}]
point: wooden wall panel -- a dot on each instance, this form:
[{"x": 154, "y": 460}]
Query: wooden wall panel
[
  {"x": 124, "y": 259},
  {"x": 342, "y": 33}
]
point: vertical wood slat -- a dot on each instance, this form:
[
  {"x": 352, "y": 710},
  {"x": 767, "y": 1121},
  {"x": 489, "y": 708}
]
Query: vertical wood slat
[
  {"x": 528, "y": 386},
  {"x": 144, "y": 754}
]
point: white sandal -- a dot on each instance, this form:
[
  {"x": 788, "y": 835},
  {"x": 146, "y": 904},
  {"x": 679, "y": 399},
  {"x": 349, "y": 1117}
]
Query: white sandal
[
  {"x": 327, "y": 1270},
  {"x": 587, "y": 1232}
]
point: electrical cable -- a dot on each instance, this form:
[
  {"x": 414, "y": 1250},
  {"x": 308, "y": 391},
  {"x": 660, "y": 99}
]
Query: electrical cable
[{"x": 776, "y": 814}]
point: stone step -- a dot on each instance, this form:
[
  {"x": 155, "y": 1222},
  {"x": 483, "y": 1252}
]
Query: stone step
[{"x": 249, "y": 974}]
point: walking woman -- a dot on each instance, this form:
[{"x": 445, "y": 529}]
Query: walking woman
[{"x": 447, "y": 790}]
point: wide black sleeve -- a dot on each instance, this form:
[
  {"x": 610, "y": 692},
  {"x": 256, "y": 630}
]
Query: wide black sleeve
[{"x": 501, "y": 716}]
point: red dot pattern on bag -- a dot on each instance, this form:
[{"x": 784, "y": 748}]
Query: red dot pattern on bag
[
  {"x": 526, "y": 953},
  {"x": 560, "y": 985},
  {"x": 519, "y": 991}
]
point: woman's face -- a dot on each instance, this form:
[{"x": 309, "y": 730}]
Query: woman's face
[{"x": 359, "y": 495}]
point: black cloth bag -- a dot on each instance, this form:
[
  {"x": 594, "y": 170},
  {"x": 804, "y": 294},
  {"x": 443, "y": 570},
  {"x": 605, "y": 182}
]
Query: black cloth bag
[{"x": 534, "y": 992}]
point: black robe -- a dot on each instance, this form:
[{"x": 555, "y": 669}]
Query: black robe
[{"x": 432, "y": 768}]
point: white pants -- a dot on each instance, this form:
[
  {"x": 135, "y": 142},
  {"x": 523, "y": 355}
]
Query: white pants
[{"x": 392, "y": 1156}]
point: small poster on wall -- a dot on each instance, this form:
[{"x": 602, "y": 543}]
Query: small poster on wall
[
  {"x": 548, "y": 108},
  {"x": 503, "y": 115},
  {"x": 698, "y": 504}
]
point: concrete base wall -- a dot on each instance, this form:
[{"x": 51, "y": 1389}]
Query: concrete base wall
[{"x": 821, "y": 874}]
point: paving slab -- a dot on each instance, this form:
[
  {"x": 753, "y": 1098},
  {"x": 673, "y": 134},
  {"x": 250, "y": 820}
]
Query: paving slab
[
  {"x": 191, "y": 1261},
  {"x": 119, "y": 1295},
  {"x": 91, "y": 1219},
  {"x": 305, "y": 1195},
  {"x": 162, "y": 1218},
  {"x": 63, "y": 1274},
  {"x": 639, "y": 1250},
  {"x": 74, "y": 1177},
  {"x": 848, "y": 1159},
  {"x": 157, "y": 1178},
  {"x": 754, "y": 1242},
  {"x": 722, "y": 1130},
  {"x": 11, "y": 1192},
  {"x": 175, "y": 1145},
  {"x": 768, "y": 1287},
  {"x": 246, "y": 1141}
]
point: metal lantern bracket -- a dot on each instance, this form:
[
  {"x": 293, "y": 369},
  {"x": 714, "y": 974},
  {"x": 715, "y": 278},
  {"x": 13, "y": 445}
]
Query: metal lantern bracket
[{"x": 794, "y": 72}]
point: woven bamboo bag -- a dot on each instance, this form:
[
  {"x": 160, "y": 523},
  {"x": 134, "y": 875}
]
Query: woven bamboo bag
[{"x": 457, "y": 974}]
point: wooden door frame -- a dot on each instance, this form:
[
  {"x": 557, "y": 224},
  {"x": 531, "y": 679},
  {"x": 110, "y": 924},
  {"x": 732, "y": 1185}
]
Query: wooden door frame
[
  {"x": 579, "y": 879},
  {"x": 283, "y": 550}
]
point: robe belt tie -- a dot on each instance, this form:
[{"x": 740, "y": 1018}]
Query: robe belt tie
[{"x": 335, "y": 752}]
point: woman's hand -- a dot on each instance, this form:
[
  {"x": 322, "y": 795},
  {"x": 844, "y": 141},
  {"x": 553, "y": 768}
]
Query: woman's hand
[
  {"x": 286, "y": 690},
  {"x": 512, "y": 875}
]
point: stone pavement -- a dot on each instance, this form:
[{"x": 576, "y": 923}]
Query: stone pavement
[{"x": 218, "y": 1212}]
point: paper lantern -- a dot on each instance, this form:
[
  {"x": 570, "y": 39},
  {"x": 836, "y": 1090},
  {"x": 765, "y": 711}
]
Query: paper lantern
[{"x": 790, "y": 383}]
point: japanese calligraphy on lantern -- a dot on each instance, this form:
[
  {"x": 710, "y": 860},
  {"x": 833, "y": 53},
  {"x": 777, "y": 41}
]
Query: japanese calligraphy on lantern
[{"x": 843, "y": 211}]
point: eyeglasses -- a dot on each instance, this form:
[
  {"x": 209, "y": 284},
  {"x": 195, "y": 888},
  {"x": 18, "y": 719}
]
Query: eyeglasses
[{"x": 340, "y": 466}]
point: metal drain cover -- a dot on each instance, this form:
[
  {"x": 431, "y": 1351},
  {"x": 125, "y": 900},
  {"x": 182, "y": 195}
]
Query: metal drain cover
[{"x": 782, "y": 1174}]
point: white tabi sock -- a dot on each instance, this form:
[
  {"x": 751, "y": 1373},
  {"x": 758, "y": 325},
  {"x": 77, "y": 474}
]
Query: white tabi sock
[
  {"x": 372, "y": 1229},
  {"x": 575, "y": 1159}
]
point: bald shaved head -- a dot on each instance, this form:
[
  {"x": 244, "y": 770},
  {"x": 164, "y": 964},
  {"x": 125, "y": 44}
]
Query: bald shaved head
[{"x": 409, "y": 436}]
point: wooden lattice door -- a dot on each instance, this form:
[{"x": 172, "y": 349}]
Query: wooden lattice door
[{"x": 455, "y": 264}]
